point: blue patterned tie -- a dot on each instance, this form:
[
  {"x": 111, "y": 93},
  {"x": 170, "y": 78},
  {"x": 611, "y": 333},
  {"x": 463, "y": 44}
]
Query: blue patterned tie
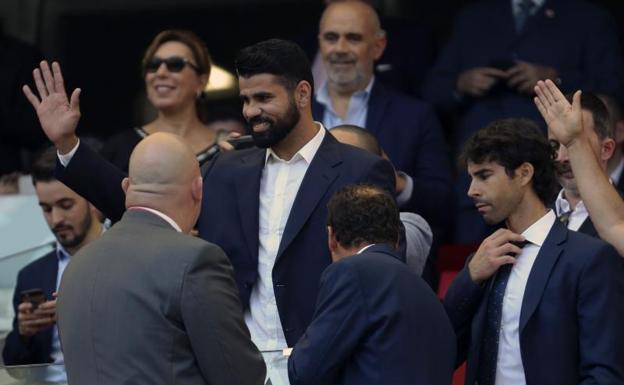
[
  {"x": 486, "y": 374},
  {"x": 526, "y": 6}
]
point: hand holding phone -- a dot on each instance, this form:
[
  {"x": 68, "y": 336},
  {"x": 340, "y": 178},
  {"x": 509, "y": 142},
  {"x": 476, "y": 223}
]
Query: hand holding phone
[{"x": 34, "y": 296}]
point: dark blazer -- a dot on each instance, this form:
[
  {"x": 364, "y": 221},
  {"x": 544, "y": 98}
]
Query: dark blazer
[
  {"x": 375, "y": 322},
  {"x": 230, "y": 215},
  {"x": 571, "y": 317},
  {"x": 39, "y": 274},
  {"x": 145, "y": 304},
  {"x": 575, "y": 37},
  {"x": 410, "y": 133},
  {"x": 230, "y": 218}
]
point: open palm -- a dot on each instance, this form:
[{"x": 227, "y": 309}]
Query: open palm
[
  {"x": 563, "y": 119},
  {"x": 57, "y": 114}
]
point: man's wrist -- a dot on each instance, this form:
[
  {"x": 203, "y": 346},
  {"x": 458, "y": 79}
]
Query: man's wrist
[{"x": 65, "y": 145}]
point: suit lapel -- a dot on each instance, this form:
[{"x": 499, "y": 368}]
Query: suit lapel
[
  {"x": 318, "y": 178},
  {"x": 48, "y": 280},
  {"x": 540, "y": 273},
  {"x": 376, "y": 106},
  {"x": 588, "y": 228},
  {"x": 247, "y": 186}
]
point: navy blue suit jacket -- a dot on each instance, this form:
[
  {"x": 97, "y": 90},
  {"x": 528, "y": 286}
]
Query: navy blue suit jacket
[
  {"x": 230, "y": 215},
  {"x": 575, "y": 37},
  {"x": 375, "y": 322},
  {"x": 39, "y": 274},
  {"x": 571, "y": 318},
  {"x": 230, "y": 219},
  {"x": 410, "y": 133}
]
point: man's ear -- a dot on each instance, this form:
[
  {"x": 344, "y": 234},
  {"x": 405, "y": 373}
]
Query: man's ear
[
  {"x": 332, "y": 243},
  {"x": 380, "y": 45},
  {"x": 607, "y": 149},
  {"x": 197, "y": 189},
  {"x": 525, "y": 172},
  {"x": 303, "y": 94},
  {"x": 125, "y": 183}
]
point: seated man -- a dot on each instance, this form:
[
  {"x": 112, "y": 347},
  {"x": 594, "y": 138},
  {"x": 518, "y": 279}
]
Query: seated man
[
  {"x": 74, "y": 222},
  {"x": 375, "y": 322},
  {"x": 551, "y": 314}
]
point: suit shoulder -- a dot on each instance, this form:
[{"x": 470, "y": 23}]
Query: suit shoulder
[
  {"x": 39, "y": 264},
  {"x": 586, "y": 247}
]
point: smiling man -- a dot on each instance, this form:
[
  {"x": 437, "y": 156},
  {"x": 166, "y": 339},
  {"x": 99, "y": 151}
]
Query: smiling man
[
  {"x": 569, "y": 205},
  {"x": 546, "y": 309},
  {"x": 265, "y": 207},
  {"x": 351, "y": 40}
]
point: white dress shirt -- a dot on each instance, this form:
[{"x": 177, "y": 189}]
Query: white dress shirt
[
  {"x": 578, "y": 215},
  {"x": 358, "y": 107},
  {"x": 509, "y": 368},
  {"x": 515, "y": 4},
  {"x": 278, "y": 188}
]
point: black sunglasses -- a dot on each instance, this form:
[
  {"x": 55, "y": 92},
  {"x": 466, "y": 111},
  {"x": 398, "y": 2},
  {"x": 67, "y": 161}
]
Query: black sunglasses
[{"x": 173, "y": 63}]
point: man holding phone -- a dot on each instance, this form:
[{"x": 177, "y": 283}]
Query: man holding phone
[{"x": 75, "y": 223}]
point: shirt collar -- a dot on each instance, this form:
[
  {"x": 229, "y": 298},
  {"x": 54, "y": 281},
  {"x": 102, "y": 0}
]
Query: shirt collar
[
  {"x": 616, "y": 174},
  {"x": 563, "y": 206},
  {"x": 61, "y": 253},
  {"x": 165, "y": 217},
  {"x": 537, "y": 232},
  {"x": 322, "y": 95},
  {"x": 364, "y": 248},
  {"x": 306, "y": 152},
  {"x": 516, "y": 5}
]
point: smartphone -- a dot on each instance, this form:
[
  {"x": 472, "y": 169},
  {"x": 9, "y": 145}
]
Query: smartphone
[
  {"x": 34, "y": 296},
  {"x": 241, "y": 142}
]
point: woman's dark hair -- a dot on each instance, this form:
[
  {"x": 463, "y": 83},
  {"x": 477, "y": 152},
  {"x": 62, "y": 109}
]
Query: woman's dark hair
[{"x": 510, "y": 143}]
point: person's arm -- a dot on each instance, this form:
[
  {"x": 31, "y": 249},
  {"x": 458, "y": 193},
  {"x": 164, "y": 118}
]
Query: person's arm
[
  {"x": 88, "y": 174},
  {"x": 603, "y": 202},
  {"x": 213, "y": 319},
  {"x": 600, "y": 318},
  {"x": 339, "y": 322}
]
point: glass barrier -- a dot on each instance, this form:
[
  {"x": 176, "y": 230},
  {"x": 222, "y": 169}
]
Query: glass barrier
[
  {"x": 276, "y": 363},
  {"x": 31, "y": 375}
]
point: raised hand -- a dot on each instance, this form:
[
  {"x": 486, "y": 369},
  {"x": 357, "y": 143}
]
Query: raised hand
[
  {"x": 58, "y": 116},
  {"x": 563, "y": 119}
]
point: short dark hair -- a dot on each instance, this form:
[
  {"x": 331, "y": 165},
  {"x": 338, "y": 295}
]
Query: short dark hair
[
  {"x": 282, "y": 58},
  {"x": 43, "y": 167},
  {"x": 361, "y": 214},
  {"x": 511, "y": 142},
  {"x": 368, "y": 141},
  {"x": 602, "y": 120}
]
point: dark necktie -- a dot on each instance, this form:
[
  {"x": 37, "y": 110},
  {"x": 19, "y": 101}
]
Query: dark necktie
[
  {"x": 565, "y": 218},
  {"x": 525, "y": 8},
  {"x": 486, "y": 374}
]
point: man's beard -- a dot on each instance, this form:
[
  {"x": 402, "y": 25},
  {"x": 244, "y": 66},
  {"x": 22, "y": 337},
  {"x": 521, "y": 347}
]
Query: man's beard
[{"x": 277, "y": 129}]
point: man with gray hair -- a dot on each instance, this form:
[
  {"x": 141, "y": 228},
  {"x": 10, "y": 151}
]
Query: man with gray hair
[{"x": 147, "y": 301}]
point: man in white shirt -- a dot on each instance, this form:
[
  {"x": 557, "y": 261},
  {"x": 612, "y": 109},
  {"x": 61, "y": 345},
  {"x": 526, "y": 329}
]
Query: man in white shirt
[
  {"x": 537, "y": 303},
  {"x": 266, "y": 206},
  {"x": 569, "y": 206}
]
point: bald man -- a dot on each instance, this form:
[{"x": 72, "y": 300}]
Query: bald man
[
  {"x": 148, "y": 303},
  {"x": 351, "y": 39}
]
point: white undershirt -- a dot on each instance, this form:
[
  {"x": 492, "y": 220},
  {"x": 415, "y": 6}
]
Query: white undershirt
[
  {"x": 278, "y": 188},
  {"x": 509, "y": 368},
  {"x": 578, "y": 215}
]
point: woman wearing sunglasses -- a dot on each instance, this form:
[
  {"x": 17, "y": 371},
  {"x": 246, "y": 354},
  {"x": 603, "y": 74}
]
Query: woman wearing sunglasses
[{"x": 176, "y": 66}]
